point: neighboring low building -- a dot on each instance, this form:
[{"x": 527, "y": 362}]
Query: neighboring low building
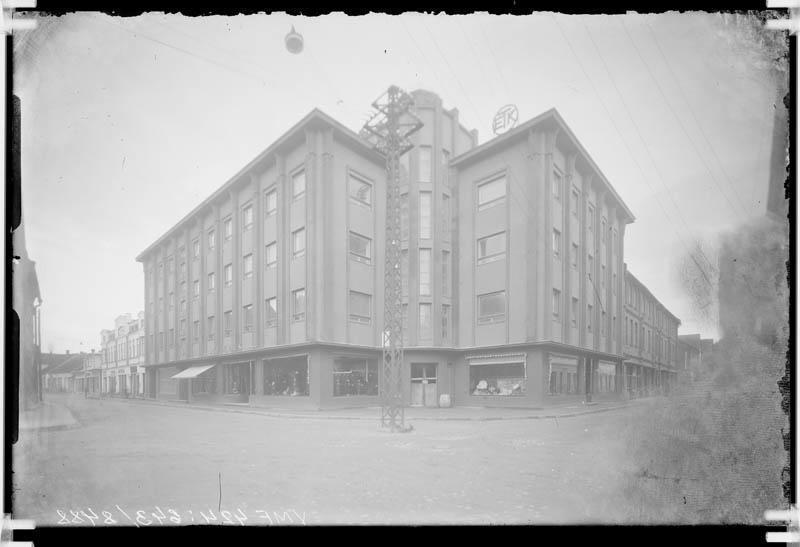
[
  {"x": 89, "y": 380},
  {"x": 60, "y": 378},
  {"x": 651, "y": 341},
  {"x": 123, "y": 356},
  {"x": 689, "y": 354}
]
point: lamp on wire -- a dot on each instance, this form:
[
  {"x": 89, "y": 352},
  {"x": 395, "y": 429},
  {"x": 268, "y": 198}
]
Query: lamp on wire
[{"x": 294, "y": 41}]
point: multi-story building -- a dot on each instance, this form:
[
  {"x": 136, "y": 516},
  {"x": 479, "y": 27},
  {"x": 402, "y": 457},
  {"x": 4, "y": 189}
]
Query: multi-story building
[
  {"x": 650, "y": 340},
  {"x": 89, "y": 380},
  {"x": 123, "y": 356},
  {"x": 271, "y": 291}
]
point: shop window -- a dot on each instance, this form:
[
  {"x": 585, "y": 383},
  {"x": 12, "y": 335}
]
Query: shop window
[
  {"x": 507, "y": 379},
  {"x": 354, "y": 377},
  {"x": 288, "y": 377},
  {"x": 236, "y": 378},
  {"x": 563, "y": 379}
]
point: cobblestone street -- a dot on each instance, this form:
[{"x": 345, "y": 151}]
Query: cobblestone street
[{"x": 128, "y": 457}]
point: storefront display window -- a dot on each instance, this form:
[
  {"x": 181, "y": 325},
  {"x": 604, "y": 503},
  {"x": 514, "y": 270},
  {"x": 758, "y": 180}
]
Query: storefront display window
[
  {"x": 563, "y": 378},
  {"x": 287, "y": 377},
  {"x": 354, "y": 377},
  {"x": 506, "y": 379},
  {"x": 205, "y": 384}
]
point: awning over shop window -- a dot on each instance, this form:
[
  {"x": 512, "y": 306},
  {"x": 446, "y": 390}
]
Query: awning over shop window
[{"x": 192, "y": 372}]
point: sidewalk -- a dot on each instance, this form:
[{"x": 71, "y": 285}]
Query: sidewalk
[
  {"x": 462, "y": 413},
  {"x": 47, "y": 416}
]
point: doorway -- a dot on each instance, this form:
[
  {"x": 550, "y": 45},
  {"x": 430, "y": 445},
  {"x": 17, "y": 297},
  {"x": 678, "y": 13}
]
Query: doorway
[
  {"x": 237, "y": 382},
  {"x": 423, "y": 384}
]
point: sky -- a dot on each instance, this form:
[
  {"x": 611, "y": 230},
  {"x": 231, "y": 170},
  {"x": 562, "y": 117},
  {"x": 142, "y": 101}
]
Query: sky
[{"x": 129, "y": 123}]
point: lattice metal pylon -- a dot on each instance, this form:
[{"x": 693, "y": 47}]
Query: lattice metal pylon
[{"x": 388, "y": 131}]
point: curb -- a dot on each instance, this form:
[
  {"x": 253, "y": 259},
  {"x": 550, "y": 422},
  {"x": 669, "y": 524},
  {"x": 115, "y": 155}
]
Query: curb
[
  {"x": 368, "y": 418},
  {"x": 72, "y": 423}
]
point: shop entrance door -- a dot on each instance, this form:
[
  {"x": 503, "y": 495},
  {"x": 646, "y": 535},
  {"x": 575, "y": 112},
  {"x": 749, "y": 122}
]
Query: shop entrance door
[
  {"x": 237, "y": 382},
  {"x": 423, "y": 384}
]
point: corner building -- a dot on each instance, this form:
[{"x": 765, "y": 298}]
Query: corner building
[{"x": 270, "y": 292}]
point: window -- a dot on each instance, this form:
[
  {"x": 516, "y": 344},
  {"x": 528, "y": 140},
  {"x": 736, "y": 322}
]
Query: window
[
  {"x": 171, "y": 266},
  {"x": 573, "y": 257},
  {"x": 227, "y": 321},
  {"x": 271, "y": 254},
  {"x": 247, "y": 318},
  {"x": 196, "y": 331},
  {"x": 212, "y": 282},
  {"x": 603, "y": 276},
  {"x": 288, "y": 377},
  {"x": 161, "y": 340},
  {"x": 228, "y": 228},
  {"x": 212, "y": 239},
  {"x": 589, "y": 315},
  {"x": 360, "y": 248},
  {"x": 405, "y": 167},
  {"x": 171, "y": 300},
  {"x": 491, "y": 248},
  {"x": 602, "y": 323},
  {"x": 446, "y": 273},
  {"x": 446, "y": 217},
  {"x": 183, "y": 288},
  {"x": 492, "y": 307},
  {"x": 353, "y": 377},
  {"x": 445, "y": 167},
  {"x": 614, "y": 243},
  {"x": 603, "y": 231},
  {"x": 183, "y": 270},
  {"x": 247, "y": 265},
  {"x": 574, "y": 203},
  {"x": 196, "y": 288},
  {"x": 556, "y": 243},
  {"x": 160, "y": 304},
  {"x": 404, "y": 271},
  {"x": 556, "y": 304},
  {"x": 424, "y": 215},
  {"x": 557, "y": 184},
  {"x": 590, "y": 268},
  {"x": 183, "y": 307},
  {"x": 590, "y": 218},
  {"x": 575, "y": 309},
  {"x": 425, "y": 321},
  {"x": 404, "y": 314},
  {"x": 360, "y": 190},
  {"x": 506, "y": 379},
  {"x": 228, "y": 275},
  {"x": 271, "y": 312},
  {"x": 211, "y": 327},
  {"x": 299, "y": 305},
  {"x": 299, "y": 243},
  {"x": 183, "y": 329},
  {"x": 614, "y": 283},
  {"x": 404, "y": 217},
  {"x": 491, "y": 193},
  {"x": 425, "y": 272},
  {"x": 445, "y": 323},
  {"x": 171, "y": 339},
  {"x": 298, "y": 184},
  {"x": 247, "y": 218},
  {"x": 270, "y": 202},
  {"x": 360, "y": 307},
  {"x": 424, "y": 163}
]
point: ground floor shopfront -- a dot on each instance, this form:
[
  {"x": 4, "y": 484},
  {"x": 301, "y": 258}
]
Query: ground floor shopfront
[
  {"x": 643, "y": 378},
  {"x": 333, "y": 376},
  {"x": 124, "y": 381}
]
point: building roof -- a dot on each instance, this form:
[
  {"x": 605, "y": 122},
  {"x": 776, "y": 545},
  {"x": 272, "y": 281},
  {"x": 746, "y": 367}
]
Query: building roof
[
  {"x": 290, "y": 139},
  {"x": 552, "y": 118},
  {"x": 52, "y": 360},
  {"x": 73, "y": 363}
]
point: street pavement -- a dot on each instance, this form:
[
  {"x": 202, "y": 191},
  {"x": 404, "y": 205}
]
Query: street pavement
[{"x": 145, "y": 464}]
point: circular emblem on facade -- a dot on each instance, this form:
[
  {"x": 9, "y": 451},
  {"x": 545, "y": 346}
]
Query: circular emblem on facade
[{"x": 505, "y": 119}]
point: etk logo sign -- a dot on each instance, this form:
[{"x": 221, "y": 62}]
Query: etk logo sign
[{"x": 505, "y": 119}]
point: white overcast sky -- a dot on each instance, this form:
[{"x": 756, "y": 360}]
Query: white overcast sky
[{"x": 129, "y": 123}]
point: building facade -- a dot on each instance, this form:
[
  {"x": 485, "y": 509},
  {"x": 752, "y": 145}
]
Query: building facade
[
  {"x": 89, "y": 380},
  {"x": 122, "y": 367},
  {"x": 651, "y": 340},
  {"x": 270, "y": 292}
]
